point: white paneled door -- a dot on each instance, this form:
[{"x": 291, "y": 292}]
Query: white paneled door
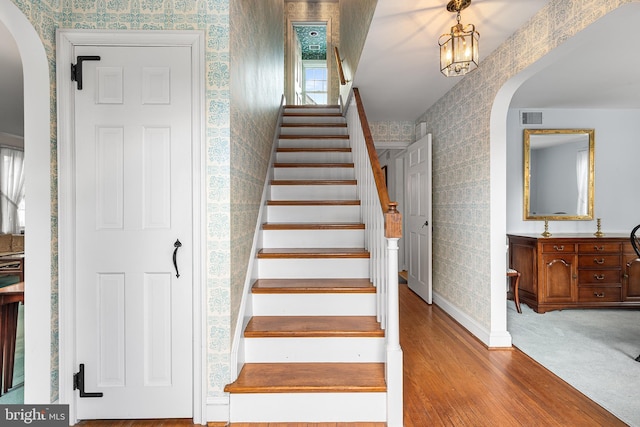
[
  {"x": 133, "y": 124},
  {"x": 419, "y": 223}
]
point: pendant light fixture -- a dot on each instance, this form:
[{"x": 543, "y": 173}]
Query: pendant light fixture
[{"x": 459, "y": 49}]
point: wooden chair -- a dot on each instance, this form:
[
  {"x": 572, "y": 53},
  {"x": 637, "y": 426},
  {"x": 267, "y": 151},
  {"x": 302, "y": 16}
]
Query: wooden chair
[{"x": 516, "y": 298}]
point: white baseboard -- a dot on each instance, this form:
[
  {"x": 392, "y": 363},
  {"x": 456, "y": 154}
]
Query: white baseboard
[
  {"x": 218, "y": 409},
  {"x": 492, "y": 339}
]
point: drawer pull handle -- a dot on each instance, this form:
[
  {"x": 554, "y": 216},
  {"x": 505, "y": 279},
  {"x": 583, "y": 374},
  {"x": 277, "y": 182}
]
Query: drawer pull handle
[
  {"x": 558, "y": 248},
  {"x": 598, "y": 294},
  {"x": 599, "y": 248},
  {"x": 598, "y": 277},
  {"x": 598, "y": 261}
]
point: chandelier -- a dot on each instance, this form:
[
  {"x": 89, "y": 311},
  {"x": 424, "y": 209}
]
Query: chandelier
[{"x": 459, "y": 49}]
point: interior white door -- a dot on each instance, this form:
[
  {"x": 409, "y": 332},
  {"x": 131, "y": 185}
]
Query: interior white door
[
  {"x": 419, "y": 223},
  {"x": 133, "y": 203}
]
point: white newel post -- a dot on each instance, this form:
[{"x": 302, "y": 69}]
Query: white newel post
[{"x": 393, "y": 232}]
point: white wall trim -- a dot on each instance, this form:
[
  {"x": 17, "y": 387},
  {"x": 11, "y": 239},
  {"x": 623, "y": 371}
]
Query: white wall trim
[
  {"x": 37, "y": 127},
  {"x": 66, "y": 40},
  {"x": 218, "y": 409},
  {"x": 463, "y": 318}
]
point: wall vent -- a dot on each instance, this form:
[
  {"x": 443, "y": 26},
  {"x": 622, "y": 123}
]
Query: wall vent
[
  {"x": 531, "y": 118},
  {"x": 314, "y": 47}
]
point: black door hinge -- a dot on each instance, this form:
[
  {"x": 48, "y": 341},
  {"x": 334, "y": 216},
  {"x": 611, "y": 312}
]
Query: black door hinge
[
  {"x": 78, "y": 383},
  {"x": 76, "y": 69}
]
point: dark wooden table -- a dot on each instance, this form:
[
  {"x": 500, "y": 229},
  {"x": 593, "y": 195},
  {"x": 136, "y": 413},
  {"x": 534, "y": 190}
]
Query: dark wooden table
[{"x": 10, "y": 298}]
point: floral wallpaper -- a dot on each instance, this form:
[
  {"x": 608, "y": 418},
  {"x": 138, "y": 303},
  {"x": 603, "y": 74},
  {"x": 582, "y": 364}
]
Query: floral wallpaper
[
  {"x": 389, "y": 131},
  {"x": 355, "y": 19},
  {"x": 461, "y": 152},
  {"x": 257, "y": 86},
  {"x": 461, "y": 166}
]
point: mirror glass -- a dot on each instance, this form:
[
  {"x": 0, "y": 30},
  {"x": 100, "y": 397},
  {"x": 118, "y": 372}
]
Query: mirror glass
[{"x": 558, "y": 174}]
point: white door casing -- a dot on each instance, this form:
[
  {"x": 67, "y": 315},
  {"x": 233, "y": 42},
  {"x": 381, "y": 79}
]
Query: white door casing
[
  {"x": 132, "y": 174},
  {"x": 419, "y": 222}
]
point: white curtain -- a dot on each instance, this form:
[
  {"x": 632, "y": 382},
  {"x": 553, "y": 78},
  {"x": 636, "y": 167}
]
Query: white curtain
[
  {"x": 11, "y": 188},
  {"x": 582, "y": 168}
]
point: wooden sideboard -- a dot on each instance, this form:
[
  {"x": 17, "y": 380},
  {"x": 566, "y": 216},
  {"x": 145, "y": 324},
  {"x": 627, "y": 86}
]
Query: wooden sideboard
[{"x": 575, "y": 271}]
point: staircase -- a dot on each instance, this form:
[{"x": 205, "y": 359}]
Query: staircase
[{"x": 313, "y": 349}]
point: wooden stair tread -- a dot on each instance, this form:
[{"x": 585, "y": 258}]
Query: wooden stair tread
[
  {"x": 313, "y": 326},
  {"x": 303, "y": 106},
  {"x": 314, "y": 125},
  {"x": 313, "y": 253},
  {"x": 313, "y": 150},
  {"x": 313, "y": 165},
  {"x": 299, "y": 286},
  {"x": 313, "y": 226},
  {"x": 313, "y": 182},
  {"x": 313, "y": 202},
  {"x": 309, "y": 378},
  {"x": 310, "y": 114},
  {"x": 313, "y": 137}
]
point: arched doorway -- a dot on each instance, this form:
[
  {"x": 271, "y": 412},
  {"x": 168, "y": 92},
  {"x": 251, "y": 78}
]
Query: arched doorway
[
  {"x": 560, "y": 79},
  {"x": 38, "y": 236}
]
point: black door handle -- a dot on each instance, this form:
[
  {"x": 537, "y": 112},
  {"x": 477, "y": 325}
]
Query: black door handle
[{"x": 177, "y": 246}]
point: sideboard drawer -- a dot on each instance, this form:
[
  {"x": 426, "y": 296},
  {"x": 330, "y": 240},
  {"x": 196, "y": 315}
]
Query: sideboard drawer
[
  {"x": 599, "y": 248},
  {"x": 559, "y": 247},
  {"x": 598, "y": 261},
  {"x": 598, "y": 276},
  {"x": 599, "y": 294}
]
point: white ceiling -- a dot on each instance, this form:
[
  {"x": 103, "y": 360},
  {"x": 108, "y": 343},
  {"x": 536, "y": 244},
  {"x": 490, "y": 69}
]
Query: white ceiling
[
  {"x": 399, "y": 71},
  {"x": 399, "y": 77},
  {"x": 598, "y": 68}
]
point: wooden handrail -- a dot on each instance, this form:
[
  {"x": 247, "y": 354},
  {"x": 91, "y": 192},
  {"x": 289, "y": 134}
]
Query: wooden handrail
[
  {"x": 343, "y": 81},
  {"x": 393, "y": 218}
]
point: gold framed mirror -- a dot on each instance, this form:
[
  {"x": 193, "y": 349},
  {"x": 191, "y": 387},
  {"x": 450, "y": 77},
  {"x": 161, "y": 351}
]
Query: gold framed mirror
[{"x": 559, "y": 174}]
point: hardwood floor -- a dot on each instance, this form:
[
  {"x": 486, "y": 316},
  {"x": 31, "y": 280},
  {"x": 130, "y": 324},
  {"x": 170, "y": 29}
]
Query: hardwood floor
[{"x": 451, "y": 379}]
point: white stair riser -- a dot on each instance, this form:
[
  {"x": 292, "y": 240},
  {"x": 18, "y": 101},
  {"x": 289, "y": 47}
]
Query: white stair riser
[
  {"x": 314, "y": 350},
  {"x": 313, "y": 238},
  {"x": 313, "y": 214},
  {"x": 313, "y": 130},
  {"x": 314, "y": 304},
  {"x": 313, "y": 192},
  {"x": 348, "y": 268},
  {"x": 314, "y": 173},
  {"x": 313, "y": 142},
  {"x": 307, "y": 407},
  {"x": 314, "y": 157}
]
